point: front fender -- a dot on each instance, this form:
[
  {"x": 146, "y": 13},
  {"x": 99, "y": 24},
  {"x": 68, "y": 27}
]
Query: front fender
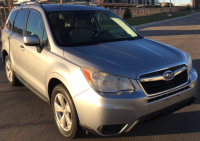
[
  {"x": 62, "y": 79},
  {"x": 68, "y": 73}
]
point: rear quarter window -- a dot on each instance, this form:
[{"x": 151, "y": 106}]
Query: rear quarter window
[
  {"x": 11, "y": 20},
  {"x": 20, "y": 21}
]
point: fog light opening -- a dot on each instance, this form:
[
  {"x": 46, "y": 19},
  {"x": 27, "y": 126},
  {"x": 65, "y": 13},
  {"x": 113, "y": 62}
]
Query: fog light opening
[{"x": 112, "y": 129}]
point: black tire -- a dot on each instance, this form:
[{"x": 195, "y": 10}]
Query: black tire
[
  {"x": 61, "y": 89},
  {"x": 14, "y": 81}
]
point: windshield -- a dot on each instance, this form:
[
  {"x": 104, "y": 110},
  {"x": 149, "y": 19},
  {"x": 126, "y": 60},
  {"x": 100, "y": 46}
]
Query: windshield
[{"x": 73, "y": 28}]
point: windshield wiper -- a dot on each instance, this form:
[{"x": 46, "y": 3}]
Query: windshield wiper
[
  {"x": 99, "y": 42},
  {"x": 82, "y": 44}
]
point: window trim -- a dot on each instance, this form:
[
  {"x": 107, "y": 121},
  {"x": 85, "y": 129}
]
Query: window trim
[
  {"x": 23, "y": 34},
  {"x": 30, "y": 9}
]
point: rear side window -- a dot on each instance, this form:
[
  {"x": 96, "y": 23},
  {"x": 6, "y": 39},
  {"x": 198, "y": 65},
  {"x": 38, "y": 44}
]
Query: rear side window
[
  {"x": 20, "y": 21},
  {"x": 35, "y": 25},
  {"x": 11, "y": 20}
]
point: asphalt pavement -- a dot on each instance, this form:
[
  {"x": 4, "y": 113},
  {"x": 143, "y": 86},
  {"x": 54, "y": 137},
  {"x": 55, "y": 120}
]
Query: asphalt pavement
[{"x": 25, "y": 117}]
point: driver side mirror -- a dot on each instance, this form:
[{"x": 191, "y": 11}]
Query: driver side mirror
[{"x": 31, "y": 40}]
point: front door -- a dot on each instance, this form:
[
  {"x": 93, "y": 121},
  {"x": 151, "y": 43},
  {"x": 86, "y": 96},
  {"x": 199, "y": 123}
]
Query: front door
[{"x": 32, "y": 58}]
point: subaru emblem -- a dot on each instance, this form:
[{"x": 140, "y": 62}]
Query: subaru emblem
[{"x": 168, "y": 75}]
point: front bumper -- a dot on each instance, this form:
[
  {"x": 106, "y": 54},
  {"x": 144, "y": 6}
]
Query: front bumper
[{"x": 127, "y": 109}]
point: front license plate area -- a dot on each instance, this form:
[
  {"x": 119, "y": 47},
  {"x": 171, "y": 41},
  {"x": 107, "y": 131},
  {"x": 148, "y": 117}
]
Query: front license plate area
[{"x": 171, "y": 100}]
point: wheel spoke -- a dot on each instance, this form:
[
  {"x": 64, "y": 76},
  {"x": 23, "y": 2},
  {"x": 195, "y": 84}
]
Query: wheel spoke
[
  {"x": 9, "y": 73},
  {"x": 63, "y": 121},
  {"x": 11, "y": 78},
  {"x": 62, "y": 112},
  {"x": 68, "y": 120},
  {"x": 58, "y": 108},
  {"x": 61, "y": 100},
  {"x": 8, "y": 65},
  {"x": 67, "y": 108}
]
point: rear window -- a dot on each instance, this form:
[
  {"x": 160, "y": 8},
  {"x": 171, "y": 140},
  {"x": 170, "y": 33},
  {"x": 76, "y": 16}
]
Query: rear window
[
  {"x": 11, "y": 20},
  {"x": 20, "y": 21}
]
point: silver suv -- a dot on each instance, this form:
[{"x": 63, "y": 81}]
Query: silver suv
[{"x": 95, "y": 70}]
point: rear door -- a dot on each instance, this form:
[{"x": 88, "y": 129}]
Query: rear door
[
  {"x": 7, "y": 31},
  {"x": 16, "y": 40}
]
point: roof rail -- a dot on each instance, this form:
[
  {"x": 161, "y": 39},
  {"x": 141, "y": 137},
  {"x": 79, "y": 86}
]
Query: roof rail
[
  {"x": 40, "y": 2},
  {"x": 67, "y": 2},
  {"x": 50, "y": 1},
  {"x": 30, "y": 3},
  {"x": 33, "y": 3}
]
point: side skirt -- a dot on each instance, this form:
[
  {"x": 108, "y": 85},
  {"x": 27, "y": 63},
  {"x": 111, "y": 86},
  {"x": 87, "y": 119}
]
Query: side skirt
[{"x": 31, "y": 88}]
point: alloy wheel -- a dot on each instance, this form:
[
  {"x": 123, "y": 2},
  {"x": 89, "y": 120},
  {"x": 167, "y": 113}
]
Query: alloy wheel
[
  {"x": 63, "y": 112},
  {"x": 9, "y": 72}
]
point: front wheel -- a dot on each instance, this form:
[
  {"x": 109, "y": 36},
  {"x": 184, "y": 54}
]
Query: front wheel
[{"x": 64, "y": 111}]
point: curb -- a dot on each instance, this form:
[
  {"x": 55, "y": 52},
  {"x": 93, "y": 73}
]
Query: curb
[{"x": 154, "y": 23}]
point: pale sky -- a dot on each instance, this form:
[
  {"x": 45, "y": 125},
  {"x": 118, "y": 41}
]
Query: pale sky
[{"x": 177, "y": 2}]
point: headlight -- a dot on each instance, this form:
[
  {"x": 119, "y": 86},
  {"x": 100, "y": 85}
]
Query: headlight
[
  {"x": 105, "y": 82},
  {"x": 189, "y": 62}
]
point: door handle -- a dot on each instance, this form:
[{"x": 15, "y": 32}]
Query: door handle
[
  {"x": 8, "y": 38},
  {"x": 22, "y": 48}
]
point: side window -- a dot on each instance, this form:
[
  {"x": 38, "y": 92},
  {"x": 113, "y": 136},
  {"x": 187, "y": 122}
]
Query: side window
[
  {"x": 11, "y": 20},
  {"x": 35, "y": 25},
  {"x": 20, "y": 21}
]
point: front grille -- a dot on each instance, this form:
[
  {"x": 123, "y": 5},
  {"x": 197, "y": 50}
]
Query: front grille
[
  {"x": 153, "y": 87},
  {"x": 166, "y": 95}
]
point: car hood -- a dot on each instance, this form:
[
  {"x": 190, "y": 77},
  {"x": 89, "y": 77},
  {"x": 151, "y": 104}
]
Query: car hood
[{"x": 126, "y": 58}]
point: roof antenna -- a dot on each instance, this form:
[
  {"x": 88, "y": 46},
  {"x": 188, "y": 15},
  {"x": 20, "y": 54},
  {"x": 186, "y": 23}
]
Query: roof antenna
[{"x": 61, "y": 2}]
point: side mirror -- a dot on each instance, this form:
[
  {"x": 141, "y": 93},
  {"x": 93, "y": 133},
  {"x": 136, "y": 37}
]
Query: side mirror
[
  {"x": 133, "y": 28},
  {"x": 31, "y": 40}
]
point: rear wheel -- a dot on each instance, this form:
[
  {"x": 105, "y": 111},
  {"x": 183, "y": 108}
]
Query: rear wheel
[
  {"x": 12, "y": 80},
  {"x": 64, "y": 111}
]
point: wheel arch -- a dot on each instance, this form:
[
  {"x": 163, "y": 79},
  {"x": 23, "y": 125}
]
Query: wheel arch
[
  {"x": 4, "y": 54},
  {"x": 55, "y": 79}
]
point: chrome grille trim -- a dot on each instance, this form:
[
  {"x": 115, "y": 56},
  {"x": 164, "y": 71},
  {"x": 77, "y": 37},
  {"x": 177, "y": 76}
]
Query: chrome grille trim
[
  {"x": 178, "y": 71},
  {"x": 160, "y": 77}
]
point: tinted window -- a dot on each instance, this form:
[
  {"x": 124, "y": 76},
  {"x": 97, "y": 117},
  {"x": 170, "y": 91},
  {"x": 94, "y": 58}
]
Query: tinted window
[
  {"x": 35, "y": 25},
  {"x": 19, "y": 22},
  {"x": 11, "y": 19}
]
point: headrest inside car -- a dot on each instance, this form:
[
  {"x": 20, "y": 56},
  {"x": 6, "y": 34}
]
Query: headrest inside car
[{"x": 81, "y": 24}]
